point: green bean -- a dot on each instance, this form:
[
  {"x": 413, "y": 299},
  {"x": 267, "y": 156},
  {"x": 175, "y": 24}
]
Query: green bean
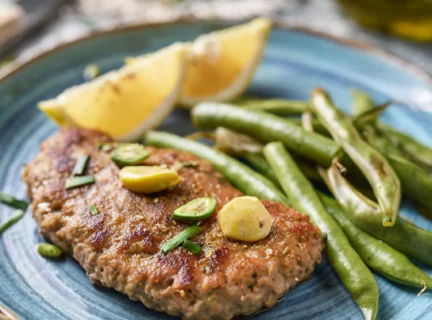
[
  {"x": 266, "y": 127},
  {"x": 416, "y": 151},
  {"x": 234, "y": 143},
  {"x": 280, "y": 107},
  {"x": 12, "y": 220},
  {"x": 362, "y": 102},
  {"x": 415, "y": 180},
  {"x": 13, "y": 202},
  {"x": 240, "y": 175},
  {"x": 317, "y": 126},
  {"x": 349, "y": 266},
  {"x": 405, "y": 237},
  {"x": 374, "y": 166},
  {"x": 379, "y": 256},
  {"x": 260, "y": 164},
  {"x": 49, "y": 251}
]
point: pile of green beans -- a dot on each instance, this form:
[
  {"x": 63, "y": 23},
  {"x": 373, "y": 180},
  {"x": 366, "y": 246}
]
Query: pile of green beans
[
  {"x": 381, "y": 176},
  {"x": 349, "y": 266},
  {"x": 241, "y": 176},
  {"x": 266, "y": 127},
  {"x": 378, "y": 255},
  {"x": 403, "y": 236},
  {"x": 416, "y": 151}
]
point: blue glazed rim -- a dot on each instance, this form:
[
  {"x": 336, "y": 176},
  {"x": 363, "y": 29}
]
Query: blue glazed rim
[{"x": 16, "y": 66}]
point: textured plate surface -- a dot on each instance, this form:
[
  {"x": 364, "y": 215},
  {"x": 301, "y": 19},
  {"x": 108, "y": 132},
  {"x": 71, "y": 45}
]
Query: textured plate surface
[{"x": 294, "y": 63}]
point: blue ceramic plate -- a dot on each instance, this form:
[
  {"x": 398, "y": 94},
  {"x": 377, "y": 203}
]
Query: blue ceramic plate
[{"x": 295, "y": 61}]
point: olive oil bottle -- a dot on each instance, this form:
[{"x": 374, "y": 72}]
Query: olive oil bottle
[{"x": 405, "y": 18}]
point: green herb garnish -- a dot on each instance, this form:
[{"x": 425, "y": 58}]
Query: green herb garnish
[
  {"x": 192, "y": 247},
  {"x": 196, "y": 210},
  {"x": 94, "y": 210},
  {"x": 129, "y": 154},
  {"x": 180, "y": 238},
  {"x": 13, "y": 202},
  {"x": 49, "y": 251},
  {"x": 12, "y": 220},
  {"x": 81, "y": 165},
  {"x": 189, "y": 164},
  {"x": 74, "y": 182}
]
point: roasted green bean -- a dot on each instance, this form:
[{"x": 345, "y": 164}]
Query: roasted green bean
[
  {"x": 13, "y": 202},
  {"x": 416, "y": 151},
  {"x": 374, "y": 166},
  {"x": 349, "y": 266},
  {"x": 280, "y": 107},
  {"x": 240, "y": 175},
  {"x": 362, "y": 102},
  {"x": 403, "y": 236},
  {"x": 266, "y": 127},
  {"x": 12, "y": 220},
  {"x": 379, "y": 256}
]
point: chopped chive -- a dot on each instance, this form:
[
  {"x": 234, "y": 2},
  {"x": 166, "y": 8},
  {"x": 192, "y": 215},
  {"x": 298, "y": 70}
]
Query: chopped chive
[
  {"x": 81, "y": 165},
  {"x": 106, "y": 146},
  {"x": 189, "y": 164},
  {"x": 196, "y": 210},
  {"x": 12, "y": 220},
  {"x": 94, "y": 210},
  {"x": 74, "y": 182},
  {"x": 129, "y": 154},
  {"x": 180, "y": 238},
  {"x": 192, "y": 247},
  {"x": 13, "y": 202},
  {"x": 49, "y": 251}
]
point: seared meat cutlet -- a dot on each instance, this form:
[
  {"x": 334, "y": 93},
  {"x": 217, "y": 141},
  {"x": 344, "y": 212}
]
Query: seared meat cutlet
[{"x": 119, "y": 247}]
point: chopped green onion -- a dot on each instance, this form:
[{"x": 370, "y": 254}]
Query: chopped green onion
[
  {"x": 196, "y": 210},
  {"x": 192, "y": 247},
  {"x": 81, "y": 165},
  {"x": 180, "y": 238},
  {"x": 49, "y": 251},
  {"x": 94, "y": 210},
  {"x": 74, "y": 182},
  {"x": 189, "y": 164},
  {"x": 13, "y": 202},
  {"x": 12, "y": 220},
  {"x": 107, "y": 146},
  {"x": 129, "y": 154},
  {"x": 91, "y": 72}
]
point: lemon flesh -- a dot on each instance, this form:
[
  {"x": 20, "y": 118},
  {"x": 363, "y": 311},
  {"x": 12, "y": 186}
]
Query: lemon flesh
[
  {"x": 148, "y": 179},
  {"x": 127, "y": 102},
  {"x": 245, "y": 219},
  {"x": 221, "y": 64}
]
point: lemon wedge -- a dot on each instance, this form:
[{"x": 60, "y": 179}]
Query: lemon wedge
[
  {"x": 221, "y": 64},
  {"x": 245, "y": 219},
  {"x": 148, "y": 179},
  {"x": 127, "y": 102}
]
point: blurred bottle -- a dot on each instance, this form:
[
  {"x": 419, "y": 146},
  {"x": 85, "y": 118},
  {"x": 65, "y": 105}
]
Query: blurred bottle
[{"x": 405, "y": 18}]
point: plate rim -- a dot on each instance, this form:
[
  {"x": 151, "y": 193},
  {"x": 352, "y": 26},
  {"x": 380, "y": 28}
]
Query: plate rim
[{"x": 19, "y": 65}]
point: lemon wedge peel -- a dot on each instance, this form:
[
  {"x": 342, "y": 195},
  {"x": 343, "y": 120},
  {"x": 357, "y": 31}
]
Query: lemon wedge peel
[
  {"x": 208, "y": 49},
  {"x": 127, "y": 102}
]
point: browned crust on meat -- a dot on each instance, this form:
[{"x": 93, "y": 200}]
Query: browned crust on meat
[{"x": 119, "y": 247}]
